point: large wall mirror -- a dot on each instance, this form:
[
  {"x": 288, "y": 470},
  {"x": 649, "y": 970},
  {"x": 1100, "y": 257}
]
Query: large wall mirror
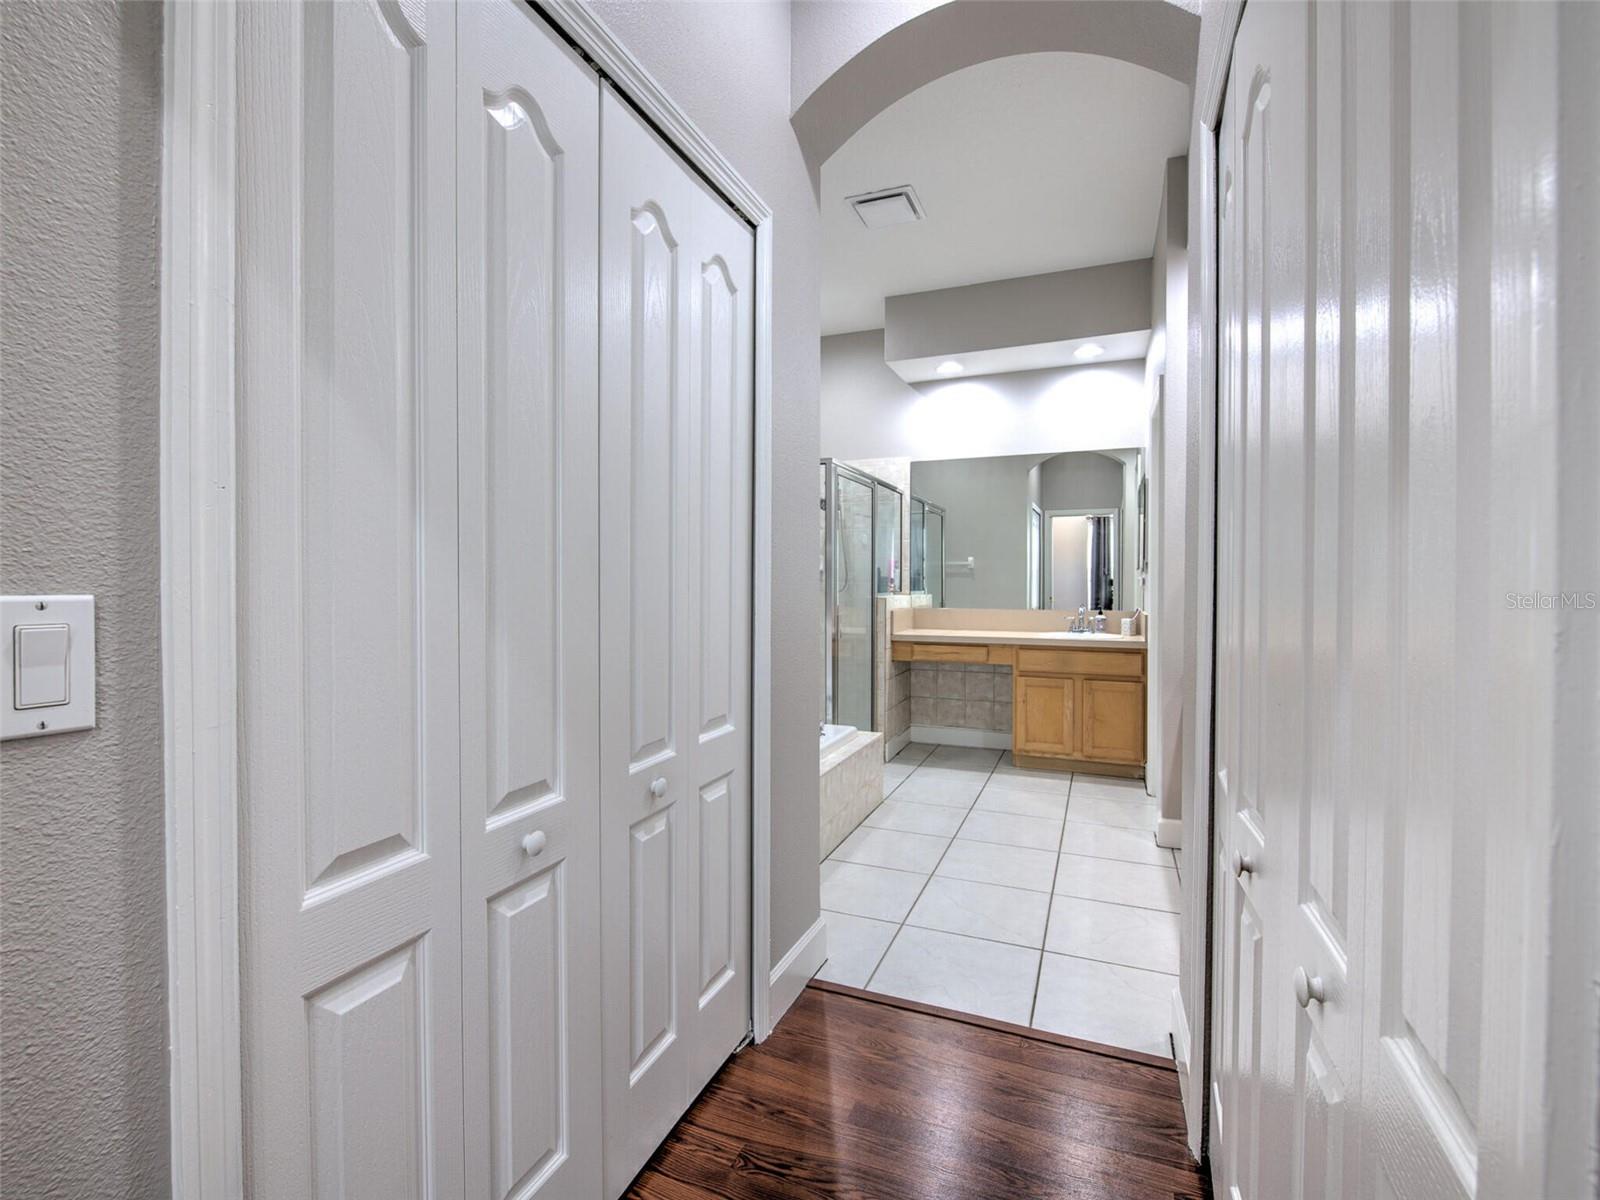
[{"x": 1029, "y": 530}]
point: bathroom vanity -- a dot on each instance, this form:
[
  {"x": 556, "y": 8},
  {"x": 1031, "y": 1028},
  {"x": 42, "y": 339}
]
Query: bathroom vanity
[{"x": 1077, "y": 699}]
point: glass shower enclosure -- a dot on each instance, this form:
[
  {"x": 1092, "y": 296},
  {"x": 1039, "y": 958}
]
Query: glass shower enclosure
[
  {"x": 860, "y": 559},
  {"x": 927, "y": 549}
]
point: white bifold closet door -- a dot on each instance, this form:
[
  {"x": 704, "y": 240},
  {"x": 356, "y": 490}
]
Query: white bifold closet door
[
  {"x": 676, "y": 337},
  {"x": 350, "y": 858},
  {"x": 455, "y": 889},
  {"x": 527, "y": 146},
  {"x": 1390, "y": 454}
]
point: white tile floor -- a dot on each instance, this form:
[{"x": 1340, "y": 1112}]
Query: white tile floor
[{"x": 1035, "y": 897}]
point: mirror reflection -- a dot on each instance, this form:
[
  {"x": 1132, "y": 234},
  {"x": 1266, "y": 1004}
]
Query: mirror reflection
[
  {"x": 1024, "y": 531},
  {"x": 1056, "y": 531}
]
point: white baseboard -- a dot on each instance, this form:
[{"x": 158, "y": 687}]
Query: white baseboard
[
  {"x": 947, "y": 735},
  {"x": 1215, "y": 1137},
  {"x": 1187, "y": 1080},
  {"x": 1180, "y": 1034},
  {"x": 894, "y": 745},
  {"x": 1169, "y": 833},
  {"x": 795, "y": 969}
]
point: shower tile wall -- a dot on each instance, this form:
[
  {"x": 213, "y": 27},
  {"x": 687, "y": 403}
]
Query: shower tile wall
[
  {"x": 853, "y": 673},
  {"x": 897, "y": 473},
  {"x": 960, "y": 696}
]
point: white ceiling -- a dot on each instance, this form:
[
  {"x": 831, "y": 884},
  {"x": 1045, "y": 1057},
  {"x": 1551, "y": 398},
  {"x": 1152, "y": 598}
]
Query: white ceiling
[{"x": 1038, "y": 162}]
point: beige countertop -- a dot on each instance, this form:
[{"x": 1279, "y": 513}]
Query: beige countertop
[{"x": 1022, "y": 637}]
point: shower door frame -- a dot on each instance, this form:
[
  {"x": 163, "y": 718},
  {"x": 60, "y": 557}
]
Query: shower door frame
[
  {"x": 834, "y": 468},
  {"x": 927, "y": 507}
]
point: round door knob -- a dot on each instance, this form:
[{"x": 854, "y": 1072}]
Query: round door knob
[
  {"x": 658, "y": 787},
  {"x": 533, "y": 844},
  {"x": 1308, "y": 988},
  {"x": 1243, "y": 864}
]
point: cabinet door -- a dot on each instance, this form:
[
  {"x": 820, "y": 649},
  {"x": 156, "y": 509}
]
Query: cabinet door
[
  {"x": 1113, "y": 720},
  {"x": 350, "y": 916},
  {"x": 527, "y": 162},
  {"x": 676, "y": 398},
  {"x": 1045, "y": 711}
]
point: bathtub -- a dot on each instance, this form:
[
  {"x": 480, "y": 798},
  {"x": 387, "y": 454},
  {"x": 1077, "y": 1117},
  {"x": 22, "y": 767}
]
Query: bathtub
[
  {"x": 850, "y": 765},
  {"x": 832, "y": 735}
]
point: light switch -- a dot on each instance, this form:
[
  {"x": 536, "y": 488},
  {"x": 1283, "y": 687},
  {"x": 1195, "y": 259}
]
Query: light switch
[
  {"x": 40, "y": 655},
  {"x": 47, "y": 672}
]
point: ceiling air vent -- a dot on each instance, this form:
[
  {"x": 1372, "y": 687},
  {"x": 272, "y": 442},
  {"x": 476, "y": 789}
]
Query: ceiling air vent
[{"x": 889, "y": 206}]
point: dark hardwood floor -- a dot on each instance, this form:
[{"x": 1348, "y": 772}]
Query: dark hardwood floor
[{"x": 854, "y": 1097}]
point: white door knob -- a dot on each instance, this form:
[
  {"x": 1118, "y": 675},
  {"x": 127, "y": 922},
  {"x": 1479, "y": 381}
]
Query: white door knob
[
  {"x": 658, "y": 787},
  {"x": 1308, "y": 988},
  {"x": 1243, "y": 864},
  {"x": 533, "y": 844}
]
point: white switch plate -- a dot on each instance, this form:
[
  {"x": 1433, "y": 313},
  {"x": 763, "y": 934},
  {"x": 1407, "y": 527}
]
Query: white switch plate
[{"x": 38, "y": 720}]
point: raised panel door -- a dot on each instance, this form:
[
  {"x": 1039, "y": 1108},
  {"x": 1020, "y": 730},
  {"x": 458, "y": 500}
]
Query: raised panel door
[
  {"x": 1113, "y": 720},
  {"x": 1045, "y": 713},
  {"x": 677, "y": 274},
  {"x": 718, "y": 712},
  {"x": 350, "y": 885},
  {"x": 646, "y": 806},
  {"x": 1257, "y": 395},
  {"x": 1388, "y": 421},
  {"x": 1457, "y": 946},
  {"x": 1322, "y": 763},
  {"x": 527, "y": 163}
]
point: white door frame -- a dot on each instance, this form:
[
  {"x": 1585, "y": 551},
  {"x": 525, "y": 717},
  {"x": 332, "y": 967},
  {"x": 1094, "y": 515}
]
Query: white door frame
[
  {"x": 1192, "y": 998},
  {"x": 1048, "y": 552},
  {"x": 198, "y": 540}
]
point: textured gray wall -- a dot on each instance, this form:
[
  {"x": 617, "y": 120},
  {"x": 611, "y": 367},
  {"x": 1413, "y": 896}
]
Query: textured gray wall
[
  {"x": 83, "y": 1068},
  {"x": 727, "y": 65},
  {"x": 83, "y": 1105}
]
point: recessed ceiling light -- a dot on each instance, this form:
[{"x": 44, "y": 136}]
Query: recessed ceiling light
[
  {"x": 949, "y": 367},
  {"x": 1089, "y": 350}
]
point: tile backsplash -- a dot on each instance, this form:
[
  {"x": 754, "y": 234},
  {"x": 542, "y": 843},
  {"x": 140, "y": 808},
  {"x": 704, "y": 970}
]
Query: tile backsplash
[{"x": 960, "y": 696}]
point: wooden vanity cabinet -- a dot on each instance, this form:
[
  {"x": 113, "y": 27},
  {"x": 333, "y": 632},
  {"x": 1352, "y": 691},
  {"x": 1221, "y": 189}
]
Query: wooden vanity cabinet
[
  {"x": 1064, "y": 707},
  {"x": 1078, "y": 706}
]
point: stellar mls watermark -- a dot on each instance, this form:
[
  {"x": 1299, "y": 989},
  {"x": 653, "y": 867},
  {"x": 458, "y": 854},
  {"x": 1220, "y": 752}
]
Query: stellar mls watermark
[{"x": 1553, "y": 601}]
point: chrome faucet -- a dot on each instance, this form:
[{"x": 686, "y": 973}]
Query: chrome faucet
[{"x": 1080, "y": 623}]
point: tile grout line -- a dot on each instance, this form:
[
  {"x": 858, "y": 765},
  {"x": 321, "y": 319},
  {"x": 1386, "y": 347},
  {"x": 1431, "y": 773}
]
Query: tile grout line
[
  {"x": 993, "y": 941},
  {"x": 901, "y": 927},
  {"x": 1108, "y": 962},
  {"x": 1050, "y": 910},
  {"x": 1131, "y": 862},
  {"x": 905, "y": 922},
  {"x": 927, "y": 878},
  {"x": 863, "y": 822},
  {"x": 979, "y": 841},
  {"x": 879, "y": 961},
  {"x": 1171, "y": 912}
]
